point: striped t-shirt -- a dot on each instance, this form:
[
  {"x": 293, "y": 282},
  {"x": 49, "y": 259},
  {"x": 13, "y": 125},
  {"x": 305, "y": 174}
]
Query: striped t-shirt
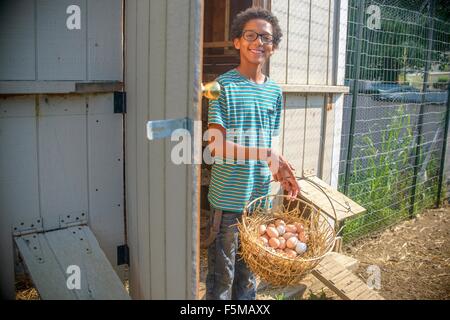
[{"x": 250, "y": 113}]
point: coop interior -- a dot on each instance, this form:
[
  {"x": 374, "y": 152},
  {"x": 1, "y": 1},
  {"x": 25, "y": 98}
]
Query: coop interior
[{"x": 219, "y": 56}]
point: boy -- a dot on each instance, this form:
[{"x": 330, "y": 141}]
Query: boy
[{"x": 241, "y": 125}]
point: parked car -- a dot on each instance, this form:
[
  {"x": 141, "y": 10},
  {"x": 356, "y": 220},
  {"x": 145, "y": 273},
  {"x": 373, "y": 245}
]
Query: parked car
[{"x": 410, "y": 94}]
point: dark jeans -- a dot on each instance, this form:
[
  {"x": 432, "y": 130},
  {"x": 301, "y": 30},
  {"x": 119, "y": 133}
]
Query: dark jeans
[{"x": 228, "y": 275}]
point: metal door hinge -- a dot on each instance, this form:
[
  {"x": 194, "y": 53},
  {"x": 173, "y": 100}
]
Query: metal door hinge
[
  {"x": 120, "y": 102},
  {"x": 160, "y": 129}
]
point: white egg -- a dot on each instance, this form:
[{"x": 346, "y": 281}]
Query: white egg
[
  {"x": 281, "y": 229},
  {"x": 301, "y": 247}
]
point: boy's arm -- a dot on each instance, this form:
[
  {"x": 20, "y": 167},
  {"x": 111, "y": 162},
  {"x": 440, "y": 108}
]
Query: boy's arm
[{"x": 281, "y": 169}]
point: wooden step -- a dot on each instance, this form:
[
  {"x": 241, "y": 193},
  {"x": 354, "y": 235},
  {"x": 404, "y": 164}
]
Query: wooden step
[{"x": 342, "y": 281}]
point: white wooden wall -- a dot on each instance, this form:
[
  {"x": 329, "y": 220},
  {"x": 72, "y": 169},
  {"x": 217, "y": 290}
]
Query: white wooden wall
[
  {"x": 60, "y": 155},
  {"x": 163, "y": 60},
  {"x": 310, "y": 64}
]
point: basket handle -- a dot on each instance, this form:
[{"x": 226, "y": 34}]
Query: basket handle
[{"x": 315, "y": 184}]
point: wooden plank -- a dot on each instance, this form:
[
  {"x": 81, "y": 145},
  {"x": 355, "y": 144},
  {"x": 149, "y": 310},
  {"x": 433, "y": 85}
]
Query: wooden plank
[
  {"x": 177, "y": 212},
  {"x": 18, "y": 26},
  {"x": 341, "y": 281},
  {"x": 313, "y": 130},
  {"x": 278, "y": 64},
  {"x": 104, "y": 40},
  {"x": 299, "y": 18},
  {"x": 62, "y": 158},
  {"x": 105, "y": 167},
  {"x": 49, "y": 255},
  {"x": 131, "y": 143},
  {"x": 318, "y": 42},
  {"x": 344, "y": 206},
  {"x": 52, "y": 87},
  {"x": 218, "y": 44},
  {"x": 328, "y": 134},
  {"x": 194, "y": 172},
  {"x": 332, "y": 41},
  {"x": 156, "y": 88},
  {"x": 340, "y": 37},
  {"x": 147, "y": 273},
  {"x": 19, "y": 193},
  {"x": 56, "y": 57},
  {"x": 294, "y": 129},
  {"x": 48, "y": 276}
]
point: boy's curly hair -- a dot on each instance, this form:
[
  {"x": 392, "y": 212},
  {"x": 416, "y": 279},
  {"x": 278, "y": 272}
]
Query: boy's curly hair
[{"x": 256, "y": 13}]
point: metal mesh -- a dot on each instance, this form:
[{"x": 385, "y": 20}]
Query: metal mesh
[{"x": 398, "y": 61}]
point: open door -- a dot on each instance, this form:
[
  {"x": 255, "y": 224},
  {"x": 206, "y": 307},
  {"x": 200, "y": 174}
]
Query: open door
[{"x": 219, "y": 56}]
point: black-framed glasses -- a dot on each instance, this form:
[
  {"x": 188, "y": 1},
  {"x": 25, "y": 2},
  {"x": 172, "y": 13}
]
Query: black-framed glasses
[{"x": 251, "y": 36}]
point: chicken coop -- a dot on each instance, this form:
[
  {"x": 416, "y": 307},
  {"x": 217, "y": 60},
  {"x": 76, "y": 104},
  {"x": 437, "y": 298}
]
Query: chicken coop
[{"x": 80, "y": 182}]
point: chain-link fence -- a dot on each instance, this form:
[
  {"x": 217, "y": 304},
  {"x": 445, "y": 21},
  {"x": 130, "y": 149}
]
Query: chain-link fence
[{"x": 394, "y": 128}]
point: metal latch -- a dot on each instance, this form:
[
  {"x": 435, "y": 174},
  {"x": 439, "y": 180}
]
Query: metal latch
[{"x": 160, "y": 129}]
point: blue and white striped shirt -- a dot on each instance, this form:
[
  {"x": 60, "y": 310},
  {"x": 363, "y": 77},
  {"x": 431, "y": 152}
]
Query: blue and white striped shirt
[{"x": 250, "y": 113}]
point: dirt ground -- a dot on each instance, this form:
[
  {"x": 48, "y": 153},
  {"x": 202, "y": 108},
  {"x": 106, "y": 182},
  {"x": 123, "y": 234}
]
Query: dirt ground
[{"x": 413, "y": 257}]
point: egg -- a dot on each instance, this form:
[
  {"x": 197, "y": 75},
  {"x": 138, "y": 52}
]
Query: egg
[
  {"x": 279, "y": 222},
  {"x": 299, "y": 226},
  {"x": 266, "y": 236},
  {"x": 291, "y": 242},
  {"x": 291, "y": 228},
  {"x": 262, "y": 229},
  {"x": 288, "y": 235},
  {"x": 281, "y": 229},
  {"x": 263, "y": 241},
  {"x": 274, "y": 242},
  {"x": 272, "y": 232},
  {"x": 282, "y": 243},
  {"x": 290, "y": 253},
  {"x": 302, "y": 237},
  {"x": 271, "y": 225},
  {"x": 301, "y": 247}
]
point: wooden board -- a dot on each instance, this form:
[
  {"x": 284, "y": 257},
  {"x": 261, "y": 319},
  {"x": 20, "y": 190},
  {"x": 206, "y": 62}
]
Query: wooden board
[
  {"x": 278, "y": 65},
  {"x": 342, "y": 281},
  {"x": 19, "y": 192},
  {"x": 18, "y": 27},
  {"x": 298, "y": 47},
  {"x": 344, "y": 206},
  {"x": 49, "y": 255}
]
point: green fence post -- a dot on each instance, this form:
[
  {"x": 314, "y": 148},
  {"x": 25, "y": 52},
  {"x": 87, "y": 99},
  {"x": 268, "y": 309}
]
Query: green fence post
[{"x": 422, "y": 108}]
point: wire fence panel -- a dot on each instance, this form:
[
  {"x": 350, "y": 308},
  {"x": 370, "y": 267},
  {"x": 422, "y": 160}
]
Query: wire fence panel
[{"x": 394, "y": 131}]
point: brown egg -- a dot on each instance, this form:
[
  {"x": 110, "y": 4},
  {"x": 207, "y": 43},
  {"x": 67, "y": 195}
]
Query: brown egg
[
  {"x": 262, "y": 229},
  {"x": 291, "y": 228},
  {"x": 266, "y": 236},
  {"x": 279, "y": 222},
  {"x": 291, "y": 242},
  {"x": 272, "y": 232},
  {"x": 274, "y": 243},
  {"x": 299, "y": 226},
  {"x": 282, "y": 243},
  {"x": 271, "y": 225},
  {"x": 290, "y": 253},
  {"x": 302, "y": 237},
  {"x": 288, "y": 235}
]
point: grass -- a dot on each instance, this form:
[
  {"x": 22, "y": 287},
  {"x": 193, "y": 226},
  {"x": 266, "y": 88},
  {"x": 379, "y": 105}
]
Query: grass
[{"x": 382, "y": 176}]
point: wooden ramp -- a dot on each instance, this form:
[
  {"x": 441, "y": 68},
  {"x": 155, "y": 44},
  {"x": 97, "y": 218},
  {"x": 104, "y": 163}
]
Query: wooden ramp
[
  {"x": 334, "y": 272},
  {"x": 54, "y": 258},
  {"x": 342, "y": 281}
]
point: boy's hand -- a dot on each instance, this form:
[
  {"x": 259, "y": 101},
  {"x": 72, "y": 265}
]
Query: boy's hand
[{"x": 284, "y": 172}]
